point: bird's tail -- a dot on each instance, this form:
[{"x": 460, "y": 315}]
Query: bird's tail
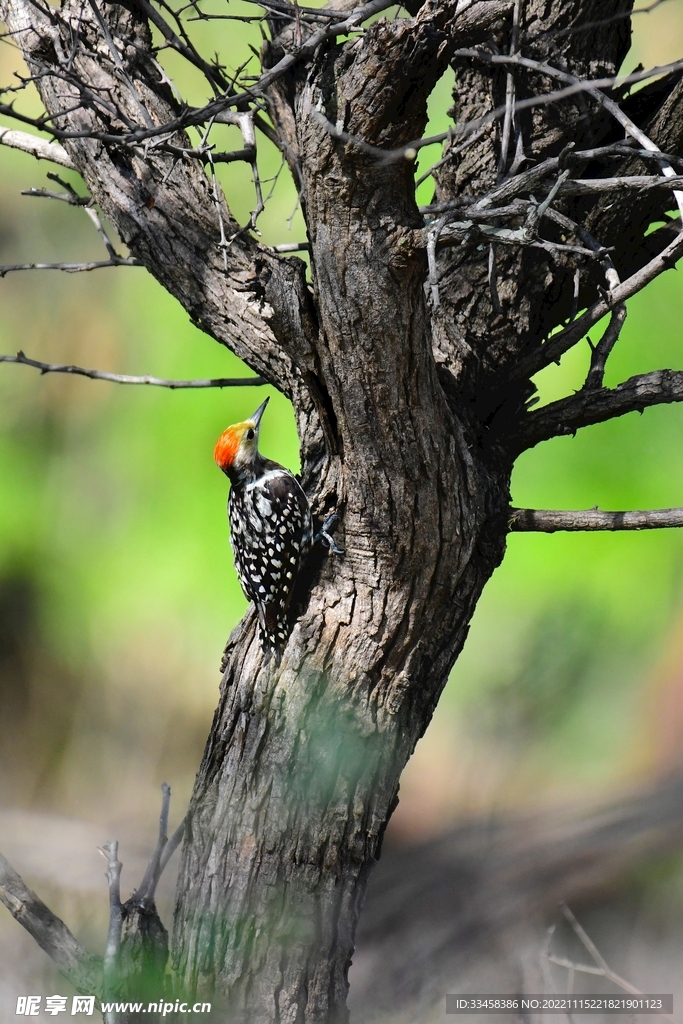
[{"x": 274, "y": 630}]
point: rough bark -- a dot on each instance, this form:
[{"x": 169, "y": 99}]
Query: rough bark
[{"x": 393, "y": 394}]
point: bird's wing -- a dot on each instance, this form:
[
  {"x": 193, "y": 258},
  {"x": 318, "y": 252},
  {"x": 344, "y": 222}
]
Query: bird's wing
[{"x": 286, "y": 520}]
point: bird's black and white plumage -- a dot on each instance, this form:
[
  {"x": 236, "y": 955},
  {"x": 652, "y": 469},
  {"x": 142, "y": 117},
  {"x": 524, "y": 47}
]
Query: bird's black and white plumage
[
  {"x": 271, "y": 528},
  {"x": 271, "y": 531}
]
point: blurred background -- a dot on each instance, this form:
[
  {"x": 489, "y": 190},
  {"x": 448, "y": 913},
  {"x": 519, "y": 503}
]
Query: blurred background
[{"x": 117, "y": 589}]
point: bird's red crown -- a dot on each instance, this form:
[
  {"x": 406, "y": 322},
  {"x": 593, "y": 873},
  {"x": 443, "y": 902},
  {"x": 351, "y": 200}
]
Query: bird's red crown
[
  {"x": 228, "y": 445},
  {"x": 239, "y": 443}
]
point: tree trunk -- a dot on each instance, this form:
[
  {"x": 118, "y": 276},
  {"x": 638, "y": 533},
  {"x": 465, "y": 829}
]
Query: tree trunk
[{"x": 302, "y": 768}]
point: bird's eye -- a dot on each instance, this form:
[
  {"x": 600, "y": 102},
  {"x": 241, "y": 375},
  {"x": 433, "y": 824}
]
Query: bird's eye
[{"x": 250, "y": 434}]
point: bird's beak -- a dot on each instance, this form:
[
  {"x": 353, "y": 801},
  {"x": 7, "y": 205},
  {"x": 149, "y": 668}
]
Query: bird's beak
[{"x": 256, "y": 418}]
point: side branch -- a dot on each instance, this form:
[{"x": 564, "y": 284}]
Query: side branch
[
  {"x": 552, "y": 350},
  {"x": 41, "y": 149},
  {"x": 536, "y": 520},
  {"x": 73, "y": 268},
  {"x": 52, "y": 935},
  {"x": 123, "y": 378},
  {"x": 589, "y": 406}
]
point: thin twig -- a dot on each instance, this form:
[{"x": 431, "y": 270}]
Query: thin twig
[
  {"x": 245, "y": 122},
  {"x": 476, "y": 226},
  {"x": 410, "y": 150},
  {"x": 172, "y": 845},
  {"x": 560, "y": 343},
  {"x": 544, "y": 957},
  {"x": 535, "y": 178},
  {"x": 603, "y": 967},
  {"x": 64, "y": 197},
  {"x": 451, "y": 153},
  {"x": 110, "y": 852},
  {"x": 600, "y": 352},
  {"x": 95, "y": 218},
  {"x": 73, "y": 268},
  {"x": 116, "y": 57},
  {"x": 593, "y": 88},
  {"x": 190, "y": 116},
  {"x": 148, "y": 885},
  {"x": 509, "y": 95},
  {"x": 74, "y": 199},
  {"x": 629, "y": 183},
  {"x": 183, "y": 47},
  {"x": 122, "y": 378},
  {"x": 293, "y": 247}
]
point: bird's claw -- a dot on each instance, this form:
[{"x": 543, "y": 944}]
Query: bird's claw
[{"x": 325, "y": 537}]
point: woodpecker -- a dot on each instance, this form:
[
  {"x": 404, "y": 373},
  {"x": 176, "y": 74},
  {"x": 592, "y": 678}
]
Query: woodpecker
[{"x": 271, "y": 527}]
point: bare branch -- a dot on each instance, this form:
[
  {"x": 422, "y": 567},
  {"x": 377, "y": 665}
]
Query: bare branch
[
  {"x": 110, "y": 851},
  {"x": 293, "y": 247},
  {"x": 171, "y": 846},
  {"x": 600, "y": 352},
  {"x": 122, "y": 378},
  {"x": 184, "y": 47},
  {"x": 535, "y": 178},
  {"x": 475, "y": 126},
  {"x": 349, "y": 23},
  {"x": 152, "y": 875},
  {"x": 509, "y": 118},
  {"x": 560, "y": 343},
  {"x": 65, "y": 197},
  {"x": 41, "y": 149},
  {"x": 477, "y": 226},
  {"x": 602, "y": 970},
  {"x": 587, "y": 407},
  {"x": 99, "y": 227},
  {"x": 574, "y": 85},
  {"x": 218, "y": 200},
  {"x": 450, "y": 155},
  {"x": 202, "y": 115},
  {"x": 536, "y": 520},
  {"x": 73, "y": 268},
  {"x": 593, "y": 89},
  {"x": 49, "y": 931},
  {"x": 595, "y": 952},
  {"x": 629, "y": 183},
  {"x": 86, "y": 202},
  {"x": 116, "y": 57}
]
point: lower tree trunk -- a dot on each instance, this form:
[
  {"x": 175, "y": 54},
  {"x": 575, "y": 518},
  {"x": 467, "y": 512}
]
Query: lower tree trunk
[{"x": 296, "y": 787}]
